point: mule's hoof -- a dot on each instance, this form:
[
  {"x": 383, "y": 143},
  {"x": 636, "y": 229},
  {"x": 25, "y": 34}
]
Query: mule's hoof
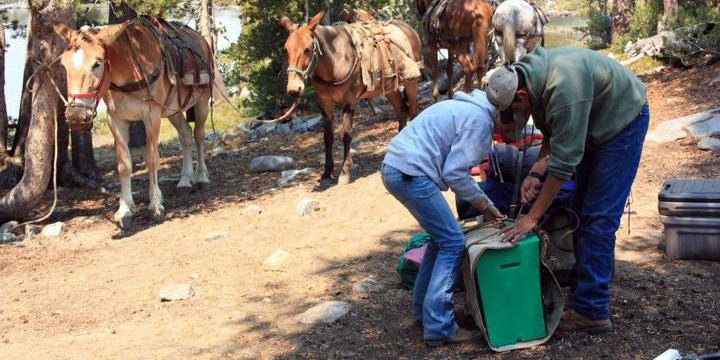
[
  {"x": 125, "y": 223},
  {"x": 203, "y": 185},
  {"x": 343, "y": 179},
  {"x": 158, "y": 215}
]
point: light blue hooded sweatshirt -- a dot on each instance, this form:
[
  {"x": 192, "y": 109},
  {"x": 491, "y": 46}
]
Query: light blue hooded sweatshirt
[{"x": 445, "y": 141}]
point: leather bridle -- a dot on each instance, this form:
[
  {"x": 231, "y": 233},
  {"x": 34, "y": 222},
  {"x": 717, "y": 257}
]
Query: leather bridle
[{"x": 94, "y": 94}]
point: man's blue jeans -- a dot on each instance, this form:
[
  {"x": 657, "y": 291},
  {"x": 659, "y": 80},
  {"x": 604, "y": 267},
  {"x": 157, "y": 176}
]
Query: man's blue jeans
[
  {"x": 432, "y": 295},
  {"x": 603, "y": 181}
]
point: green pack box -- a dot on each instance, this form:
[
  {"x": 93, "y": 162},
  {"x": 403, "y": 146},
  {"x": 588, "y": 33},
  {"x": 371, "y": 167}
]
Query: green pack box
[{"x": 508, "y": 283}]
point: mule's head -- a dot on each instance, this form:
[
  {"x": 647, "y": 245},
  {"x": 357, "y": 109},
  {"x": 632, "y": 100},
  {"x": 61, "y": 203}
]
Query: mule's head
[
  {"x": 301, "y": 52},
  {"x": 87, "y": 66}
]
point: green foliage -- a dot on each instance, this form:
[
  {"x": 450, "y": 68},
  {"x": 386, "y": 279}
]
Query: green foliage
[
  {"x": 699, "y": 23},
  {"x": 259, "y": 51},
  {"x": 597, "y": 32},
  {"x": 643, "y": 23}
]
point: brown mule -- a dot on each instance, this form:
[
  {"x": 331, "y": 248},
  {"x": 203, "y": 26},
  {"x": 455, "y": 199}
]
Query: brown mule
[
  {"x": 326, "y": 56},
  {"x": 126, "y": 66},
  {"x": 455, "y": 25}
]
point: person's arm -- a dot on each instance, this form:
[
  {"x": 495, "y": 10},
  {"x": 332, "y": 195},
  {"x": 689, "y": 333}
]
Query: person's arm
[
  {"x": 531, "y": 184},
  {"x": 468, "y": 149},
  {"x": 525, "y": 224}
]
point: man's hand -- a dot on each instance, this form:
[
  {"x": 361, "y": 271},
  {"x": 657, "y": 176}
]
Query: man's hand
[
  {"x": 492, "y": 214},
  {"x": 530, "y": 189},
  {"x": 515, "y": 232}
]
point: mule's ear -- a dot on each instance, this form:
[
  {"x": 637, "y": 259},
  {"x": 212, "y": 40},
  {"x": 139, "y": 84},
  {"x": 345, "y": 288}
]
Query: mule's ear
[
  {"x": 63, "y": 31},
  {"x": 347, "y": 16},
  {"x": 315, "y": 20},
  {"x": 108, "y": 34},
  {"x": 287, "y": 23}
]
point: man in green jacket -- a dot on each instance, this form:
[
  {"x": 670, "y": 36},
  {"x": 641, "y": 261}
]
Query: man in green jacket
[{"x": 594, "y": 115}]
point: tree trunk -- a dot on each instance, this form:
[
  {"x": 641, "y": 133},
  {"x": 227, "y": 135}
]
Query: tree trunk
[
  {"x": 307, "y": 11},
  {"x": 326, "y": 20},
  {"x": 116, "y": 15},
  {"x": 46, "y": 46},
  {"x": 23, "y": 123},
  {"x": 669, "y": 19},
  {"x": 621, "y": 12},
  {"x": 207, "y": 30},
  {"x": 3, "y": 108}
]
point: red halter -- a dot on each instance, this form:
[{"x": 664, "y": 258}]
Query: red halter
[{"x": 95, "y": 93}]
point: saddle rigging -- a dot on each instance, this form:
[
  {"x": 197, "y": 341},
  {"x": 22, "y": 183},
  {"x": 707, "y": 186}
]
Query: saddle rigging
[{"x": 182, "y": 59}]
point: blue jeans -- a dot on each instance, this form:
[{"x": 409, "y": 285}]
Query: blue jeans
[
  {"x": 603, "y": 180},
  {"x": 432, "y": 294}
]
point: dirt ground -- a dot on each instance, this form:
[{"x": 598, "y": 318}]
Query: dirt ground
[{"x": 92, "y": 293}]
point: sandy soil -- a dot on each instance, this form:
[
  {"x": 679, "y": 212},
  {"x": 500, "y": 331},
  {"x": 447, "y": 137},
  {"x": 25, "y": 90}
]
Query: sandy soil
[{"x": 93, "y": 292}]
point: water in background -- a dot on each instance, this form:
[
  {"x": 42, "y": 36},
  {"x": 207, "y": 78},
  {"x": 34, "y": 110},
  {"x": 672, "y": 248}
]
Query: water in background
[
  {"x": 225, "y": 18},
  {"x": 560, "y": 31}
]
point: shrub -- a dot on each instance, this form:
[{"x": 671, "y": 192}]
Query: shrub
[
  {"x": 597, "y": 32},
  {"x": 643, "y": 23}
]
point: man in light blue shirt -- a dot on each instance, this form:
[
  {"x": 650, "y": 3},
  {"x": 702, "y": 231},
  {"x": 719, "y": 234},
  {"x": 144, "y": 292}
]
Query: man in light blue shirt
[{"x": 435, "y": 152}]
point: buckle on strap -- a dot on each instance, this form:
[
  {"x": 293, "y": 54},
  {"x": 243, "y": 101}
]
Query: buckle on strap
[{"x": 311, "y": 65}]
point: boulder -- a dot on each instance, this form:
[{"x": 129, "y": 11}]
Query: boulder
[
  {"x": 696, "y": 124},
  {"x": 270, "y": 163},
  {"x": 53, "y": 230},
  {"x": 252, "y": 210},
  {"x": 215, "y": 235},
  {"x": 709, "y": 143},
  {"x": 176, "y": 292},
  {"x": 283, "y": 129},
  {"x": 314, "y": 124},
  {"x": 278, "y": 257},
  {"x": 368, "y": 285},
  {"x": 326, "y": 312},
  {"x": 288, "y": 175},
  {"x": 266, "y": 128},
  {"x": 307, "y": 206}
]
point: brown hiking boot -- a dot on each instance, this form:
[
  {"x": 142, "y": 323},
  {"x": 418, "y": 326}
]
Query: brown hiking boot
[
  {"x": 460, "y": 336},
  {"x": 573, "y": 321}
]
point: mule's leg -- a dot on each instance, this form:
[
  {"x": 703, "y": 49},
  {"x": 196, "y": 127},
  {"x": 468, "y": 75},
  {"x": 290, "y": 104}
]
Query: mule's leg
[
  {"x": 449, "y": 70},
  {"x": 435, "y": 69},
  {"x": 201, "y": 109},
  {"x": 183, "y": 130},
  {"x": 121, "y": 133},
  {"x": 398, "y": 105},
  {"x": 327, "y": 107},
  {"x": 346, "y": 130},
  {"x": 480, "y": 48},
  {"x": 411, "y": 97},
  {"x": 467, "y": 69},
  {"x": 152, "y": 161}
]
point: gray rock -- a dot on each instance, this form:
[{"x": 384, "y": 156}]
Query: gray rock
[
  {"x": 299, "y": 128},
  {"x": 211, "y": 136},
  {"x": 283, "y": 129},
  {"x": 219, "y": 150},
  {"x": 278, "y": 257},
  {"x": 252, "y": 210},
  {"x": 266, "y": 128},
  {"x": 215, "y": 235},
  {"x": 169, "y": 178},
  {"x": 9, "y": 226},
  {"x": 314, "y": 124},
  {"x": 708, "y": 143},
  {"x": 32, "y": 230},
  {"x": 326, "y": 312},
  {"x": 706, "y": 127},
  {"x": 307, "y": 206},
  {"x": 176, "y": 292},
  {"x": 6, "y": 237},
  {"x": 368, "y": 285},
  {"x": 288, "y": 175},
  {"x": 53, "y": 230},
  {"x": 697, "y": 124},
  {"x": 252, "y": 135},
  {"x": 714, "y": 81},
  {"x": 270, "y": 163}
]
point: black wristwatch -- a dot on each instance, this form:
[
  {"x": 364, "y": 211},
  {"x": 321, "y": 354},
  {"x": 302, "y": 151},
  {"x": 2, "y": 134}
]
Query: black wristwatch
[{"x": 535, "y": 175}]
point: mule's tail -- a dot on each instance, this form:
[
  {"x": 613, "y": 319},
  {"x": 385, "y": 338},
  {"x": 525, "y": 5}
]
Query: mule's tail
[{"x": 508, "y": 42}]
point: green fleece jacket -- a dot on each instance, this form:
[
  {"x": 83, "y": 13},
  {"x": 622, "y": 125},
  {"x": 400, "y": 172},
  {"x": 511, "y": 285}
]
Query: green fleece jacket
[{"x": 578, "y": 96}]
